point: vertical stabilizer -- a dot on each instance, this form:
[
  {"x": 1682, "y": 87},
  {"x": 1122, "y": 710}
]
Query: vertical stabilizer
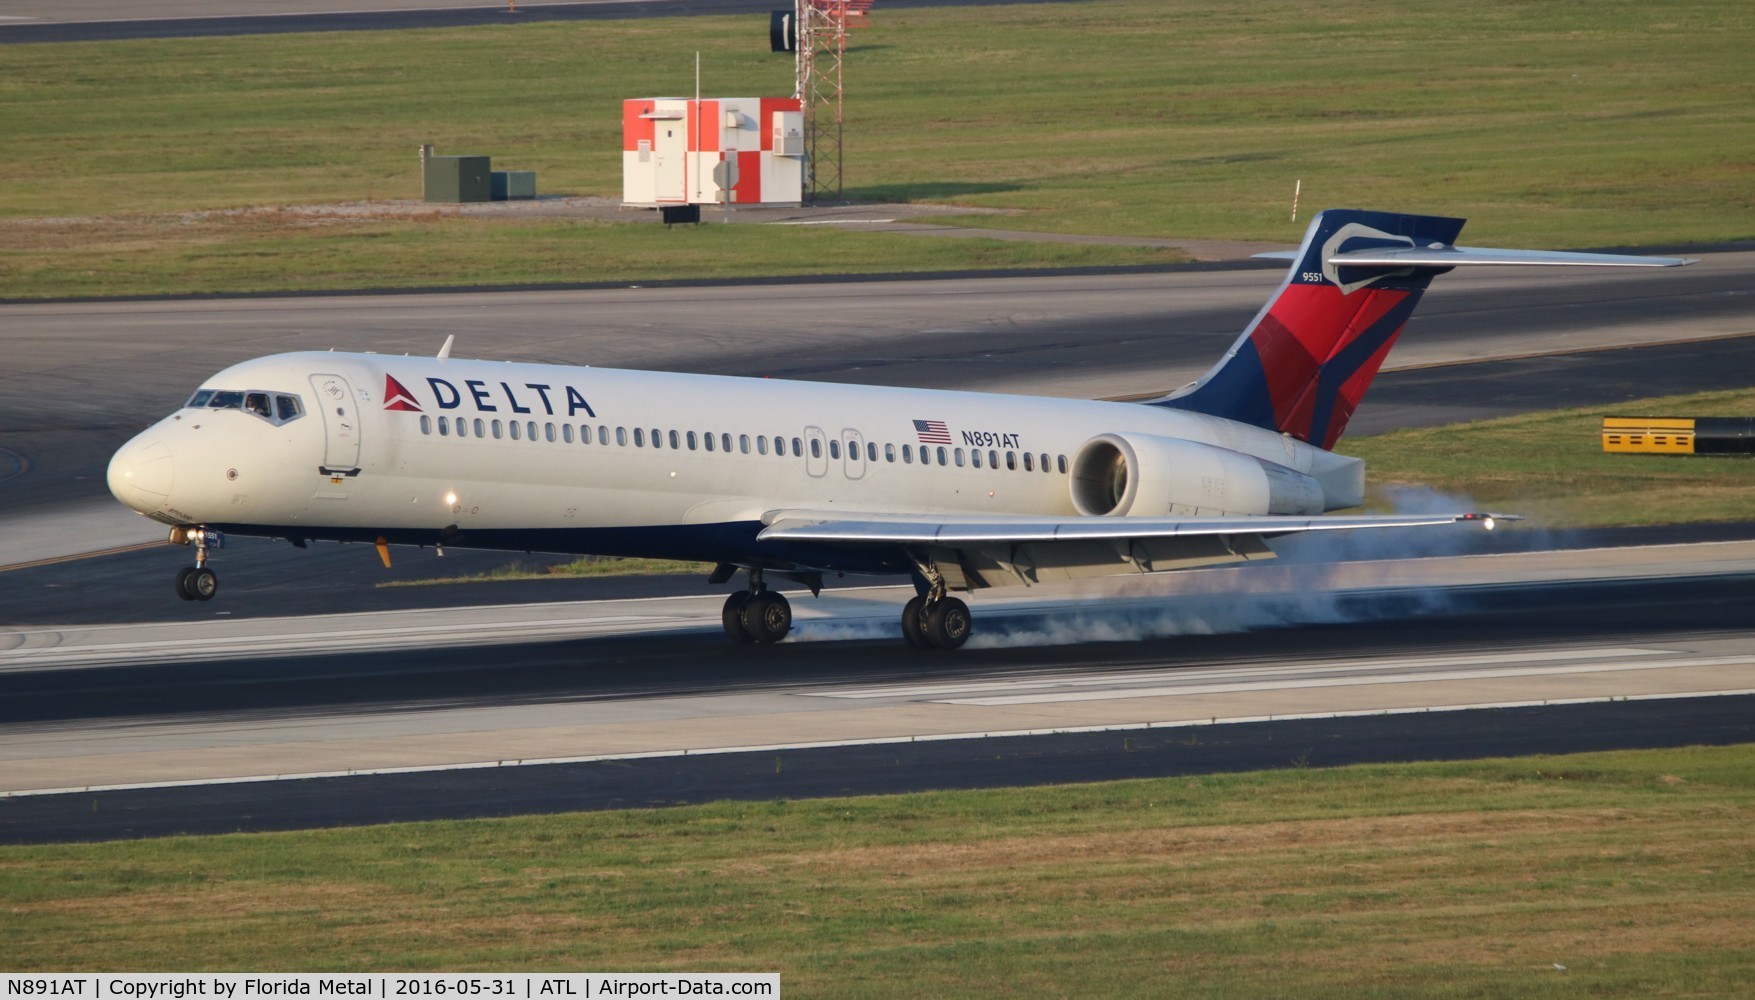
[{"x": 1303, "y": 364}]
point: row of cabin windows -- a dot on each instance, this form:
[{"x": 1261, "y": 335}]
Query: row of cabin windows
[{"x": 640, "y": 437}]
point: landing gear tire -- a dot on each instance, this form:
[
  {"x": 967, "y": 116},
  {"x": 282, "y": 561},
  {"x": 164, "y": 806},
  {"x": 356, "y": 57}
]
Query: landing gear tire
[
  {"x": 914, "y": 623},
  {"x": 183, "y": 576},
  {"x": 197, "y": 583},
  {"x": 948, "y": 623},
  {"x": 732, "y": 617},
  {"x": 767, "y": 617}
]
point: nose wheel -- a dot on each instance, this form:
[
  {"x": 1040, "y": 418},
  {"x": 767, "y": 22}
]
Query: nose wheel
[{"x": 197, "y": 582}]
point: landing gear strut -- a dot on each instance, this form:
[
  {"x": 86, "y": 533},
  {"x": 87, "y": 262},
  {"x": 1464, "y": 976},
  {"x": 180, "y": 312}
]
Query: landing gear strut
[
  {"x": 197, "y": 582},
  {"x": 934, "y": 619},
  {"x": 756, "y": 614}
]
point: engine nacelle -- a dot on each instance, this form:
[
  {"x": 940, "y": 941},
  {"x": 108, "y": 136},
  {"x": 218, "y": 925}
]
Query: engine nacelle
[{"x": 1144, "y": 475}]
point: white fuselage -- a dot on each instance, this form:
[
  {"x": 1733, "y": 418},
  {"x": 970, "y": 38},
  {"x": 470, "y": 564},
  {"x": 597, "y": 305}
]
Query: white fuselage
[{"x": 376, "y": 448}]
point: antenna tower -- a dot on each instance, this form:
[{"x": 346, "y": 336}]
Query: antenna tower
[{"x": 822, "y": 47}]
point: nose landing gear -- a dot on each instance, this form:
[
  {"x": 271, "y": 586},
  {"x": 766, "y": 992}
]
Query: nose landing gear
[{"x": 197, "y": 582}]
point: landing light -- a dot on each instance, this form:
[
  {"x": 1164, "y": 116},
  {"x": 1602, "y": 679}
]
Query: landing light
[
  {"x": 451, "y": 499},
  {"x": 1488, "y": 524}
]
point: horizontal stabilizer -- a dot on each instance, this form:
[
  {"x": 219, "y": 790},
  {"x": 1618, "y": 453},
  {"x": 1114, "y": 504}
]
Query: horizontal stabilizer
[{"x": 1449, "y": 256}]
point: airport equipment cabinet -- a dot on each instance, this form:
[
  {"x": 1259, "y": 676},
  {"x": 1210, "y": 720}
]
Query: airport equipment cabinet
[
  {"x": 741, "y": 150},
  {"x": 514, "y": 185},
  {"x": 458, "y": 178}
]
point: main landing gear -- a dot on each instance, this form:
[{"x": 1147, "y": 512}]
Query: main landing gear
[
  {"x": 197, "y": 582},
  {"x": 933, "y": 619},
  {"x": 756, "y": 614}
]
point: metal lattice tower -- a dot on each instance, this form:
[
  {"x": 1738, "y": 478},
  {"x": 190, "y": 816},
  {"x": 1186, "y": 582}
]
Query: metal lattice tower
[{"x": 822, "y": 47}]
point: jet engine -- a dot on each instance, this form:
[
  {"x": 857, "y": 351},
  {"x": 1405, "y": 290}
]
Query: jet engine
[{"x": 1144, "y": 475}]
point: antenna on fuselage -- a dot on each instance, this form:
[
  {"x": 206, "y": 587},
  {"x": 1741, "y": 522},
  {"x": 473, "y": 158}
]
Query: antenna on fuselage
[{"x": 445, "y": 352}]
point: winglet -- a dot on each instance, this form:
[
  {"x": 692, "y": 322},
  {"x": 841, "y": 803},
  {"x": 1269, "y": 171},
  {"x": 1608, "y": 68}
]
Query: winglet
[{"x": 445, "y": 352}]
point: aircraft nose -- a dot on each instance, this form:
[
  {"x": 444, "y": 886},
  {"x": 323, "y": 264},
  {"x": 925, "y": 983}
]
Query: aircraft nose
[{"x": 140, "y": 474}]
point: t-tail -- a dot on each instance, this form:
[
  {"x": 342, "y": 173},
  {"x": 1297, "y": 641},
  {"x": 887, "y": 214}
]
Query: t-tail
[{"x": 1303, "y": 364}]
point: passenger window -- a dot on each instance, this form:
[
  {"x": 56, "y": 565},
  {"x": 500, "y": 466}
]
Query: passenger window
[
  {"x": 548, "y": 431},
  {"x": 761, "y": 444},
  {"x": 889, "y": 453},
  {"x": 974, "y": 458},
  {"x": 907, "y": 454},
  {"x": 531, "y": 427},
  {"x": 1045, "y": 463},
  {"x": 743, "y": 443},
  {"x": 958, "y": 454},
  {"x": 462, "y": 427},
  {"x": 993, "y": 459},
  {"x": 566, "y": 433},
  {"x": 692, "y": 440},
  {"x": 515, "y": 431},
  {"x": 941, "y": 455},
  {"x": 621, "y": 436},
  {"x": 286, "y": 407},
  {"x": 816, "y": 448},
  {"x": 478, "y": 427},
  {"x": 426, "y": 424},
  {"x": 709, "y": 441},
  {"x": 657, "y": 438},
  {"x": 444, "y": 427},
  {"x": 1061, "y": 463},
  {"x": 1029, "y": 466},
  {"x": 497, "y": 429},
  {"x": 639, "y": 437},
  {"x": 675, "y": 442},
  {"x": 870, "y": 452},
  {"x": 834, "y": 449}
]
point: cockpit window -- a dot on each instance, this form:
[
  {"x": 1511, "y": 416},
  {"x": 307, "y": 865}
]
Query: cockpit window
[{"x": 276, "y": 408}]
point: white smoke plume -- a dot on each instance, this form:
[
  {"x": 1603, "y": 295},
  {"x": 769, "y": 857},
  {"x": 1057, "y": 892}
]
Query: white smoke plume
[{"x": 1318, "y": 578}]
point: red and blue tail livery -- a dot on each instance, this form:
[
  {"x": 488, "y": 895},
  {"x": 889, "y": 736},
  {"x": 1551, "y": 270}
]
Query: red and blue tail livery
[{"x": 1303, "y": 365}]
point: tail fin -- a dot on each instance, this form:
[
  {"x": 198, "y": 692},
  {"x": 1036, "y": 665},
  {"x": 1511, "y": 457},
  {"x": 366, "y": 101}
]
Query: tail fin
[{"x": 1303, "y": 364}]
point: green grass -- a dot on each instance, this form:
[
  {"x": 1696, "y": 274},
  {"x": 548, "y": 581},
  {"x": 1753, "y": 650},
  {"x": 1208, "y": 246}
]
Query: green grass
[
  {"x": 1553, "y": 124},
  {"x": 1551, "y": 466},
  {"x": 1471, "y": 879}
]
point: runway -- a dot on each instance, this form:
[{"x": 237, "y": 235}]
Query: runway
[{"x": 580, "y": 706}]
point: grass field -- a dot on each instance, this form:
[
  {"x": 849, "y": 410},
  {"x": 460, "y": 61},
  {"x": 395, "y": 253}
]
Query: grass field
[
  {"x": 1633, "y": 870},
  {"x": 1551, "y": 467},
  {"x": 1554, "y": 124}
]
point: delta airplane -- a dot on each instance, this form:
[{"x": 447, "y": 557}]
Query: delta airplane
[{"x": 958, "y": 491}]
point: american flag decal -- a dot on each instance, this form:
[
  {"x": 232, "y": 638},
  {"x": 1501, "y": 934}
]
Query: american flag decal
[{"x": 932, "y": 431}]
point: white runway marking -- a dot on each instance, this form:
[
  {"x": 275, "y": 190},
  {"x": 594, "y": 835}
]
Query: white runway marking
[
  {"x": 880, "y": 741},
  {"x": 1123, "y": 679}
]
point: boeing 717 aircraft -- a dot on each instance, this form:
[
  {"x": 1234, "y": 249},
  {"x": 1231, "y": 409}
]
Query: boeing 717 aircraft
[{"x": 958, "y": 491}]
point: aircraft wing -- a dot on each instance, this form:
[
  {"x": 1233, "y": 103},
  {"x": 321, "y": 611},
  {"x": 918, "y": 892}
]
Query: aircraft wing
[{"x": 977, "y": 551}]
